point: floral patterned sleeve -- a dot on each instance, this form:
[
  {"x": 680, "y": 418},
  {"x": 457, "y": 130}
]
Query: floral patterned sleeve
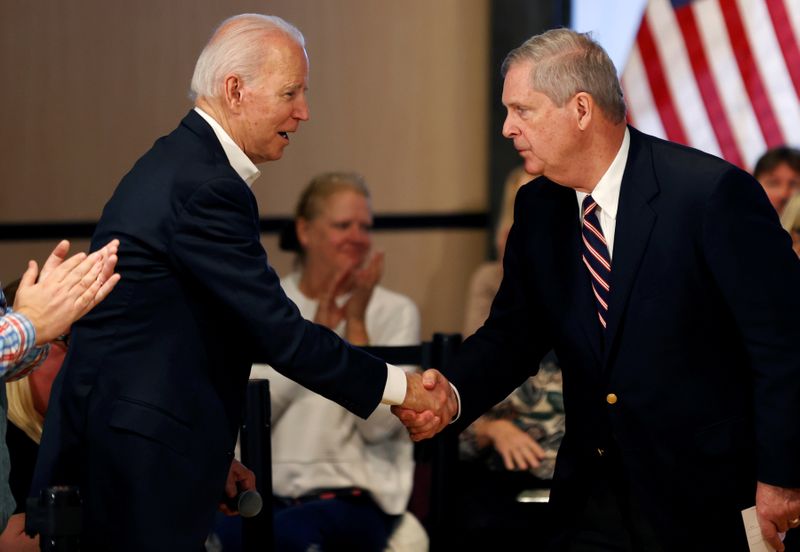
[{"x": 535, "y": 407}]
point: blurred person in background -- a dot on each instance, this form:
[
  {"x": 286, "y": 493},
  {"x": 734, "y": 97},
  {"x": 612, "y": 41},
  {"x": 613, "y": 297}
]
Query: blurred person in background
[
  {"x": 46, "y": 304},
  {"x": 512, "y": 448},
  {"x": 778, "y": 172},
  {"x": 504, "y": 427},
  {"x": 340, "y": 482},
  {"x": 27, "y": 405}
]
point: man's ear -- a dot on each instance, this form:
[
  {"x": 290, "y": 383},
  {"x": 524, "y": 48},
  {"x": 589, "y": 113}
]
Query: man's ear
[
  {"x": 234, "y": 90},
  {"x": 584, "y": 109}
]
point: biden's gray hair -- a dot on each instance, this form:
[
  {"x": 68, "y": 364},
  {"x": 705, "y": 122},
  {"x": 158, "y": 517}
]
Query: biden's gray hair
[{"x": 237, "y": 47}]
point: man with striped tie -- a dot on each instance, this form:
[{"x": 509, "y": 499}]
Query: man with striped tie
[{"x": 661, "y": 277}]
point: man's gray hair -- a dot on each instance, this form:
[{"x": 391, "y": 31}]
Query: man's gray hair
[
  {"x": 237, "y": 47},
  {"x": 566, "y": 62}
]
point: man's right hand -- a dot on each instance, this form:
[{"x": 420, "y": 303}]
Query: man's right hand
[
  {"x": 430, "y": 404},
  {"x": 240, "y": 479},
  {"x": 67, "y": 289},
  {"x": 778, "y": 511}
]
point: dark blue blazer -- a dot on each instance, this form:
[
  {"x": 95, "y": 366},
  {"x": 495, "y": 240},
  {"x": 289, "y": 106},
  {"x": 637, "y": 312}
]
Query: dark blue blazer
[
  {"x": 145, "y": 411},
  {"x": 702, "y": 348}
]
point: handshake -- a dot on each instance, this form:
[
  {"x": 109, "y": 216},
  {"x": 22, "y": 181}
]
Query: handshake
[{"x": 430, "y": 404}]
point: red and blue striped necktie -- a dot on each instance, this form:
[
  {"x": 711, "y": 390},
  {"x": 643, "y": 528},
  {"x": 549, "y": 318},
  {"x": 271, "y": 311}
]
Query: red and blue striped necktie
[{"x": 596, "y": 257}]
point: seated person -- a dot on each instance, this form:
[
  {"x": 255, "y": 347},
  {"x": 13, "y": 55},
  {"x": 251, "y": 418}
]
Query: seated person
[
  {"x": 27, "y": 405},
  {"x": 525, "y": 430},
  {"x": 42, "y": 312},
  {"x": 511, "y": 448},
  {"x": 340, "y": 482},
  {"x": 778, "y": 171}
]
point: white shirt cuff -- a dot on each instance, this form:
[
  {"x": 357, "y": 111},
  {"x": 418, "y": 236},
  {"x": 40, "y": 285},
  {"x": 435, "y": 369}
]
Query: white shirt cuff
[
  {"x": 458, "y": 400},
  {"x": 395, "y": 391}
]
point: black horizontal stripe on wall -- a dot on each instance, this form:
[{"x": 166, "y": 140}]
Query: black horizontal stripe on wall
[
  {"x": 456, "y": 221},
  {"x": 80, "y": 229},
  {"x": 46, "y": 230}
]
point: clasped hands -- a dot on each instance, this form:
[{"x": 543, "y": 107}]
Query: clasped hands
[
  {"x": 359, "y": 282},
  {"x": 430, "y": 404},
  {"x": 66, "y": 288}
]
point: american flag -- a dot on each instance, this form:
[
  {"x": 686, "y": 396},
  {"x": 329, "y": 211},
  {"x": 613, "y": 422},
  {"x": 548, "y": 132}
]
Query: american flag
[{"x": 722, "y": 76}]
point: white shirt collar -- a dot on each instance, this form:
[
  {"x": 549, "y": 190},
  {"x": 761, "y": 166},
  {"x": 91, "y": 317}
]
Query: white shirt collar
[
  {"x": 606, "y": 192},
  {"x": 245, "y": 168}
]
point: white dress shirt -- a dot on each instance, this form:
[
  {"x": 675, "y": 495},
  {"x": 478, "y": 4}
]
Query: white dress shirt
[{"x": 606, "y": 193}]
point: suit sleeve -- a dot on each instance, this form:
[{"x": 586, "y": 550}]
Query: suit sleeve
[
  {"x": 507, "y": 349},
  {"x": 751, "y": 259},
  {"x": 216, "y": 243}
]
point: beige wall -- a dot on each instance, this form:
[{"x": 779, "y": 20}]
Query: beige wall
[{"x": 398, "y": 92}]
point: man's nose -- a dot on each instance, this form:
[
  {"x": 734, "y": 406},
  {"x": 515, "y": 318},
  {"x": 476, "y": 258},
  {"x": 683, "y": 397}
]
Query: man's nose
[
  {"x": 509, "y": 129},
  {"x": 359, "y": 235},
  {"x": 301, "y": 111}
]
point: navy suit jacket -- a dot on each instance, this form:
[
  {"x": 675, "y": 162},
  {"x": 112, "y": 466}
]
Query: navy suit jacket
[
  {"x": 145, "y": 411},
  {"x": 702, "y": 347}
]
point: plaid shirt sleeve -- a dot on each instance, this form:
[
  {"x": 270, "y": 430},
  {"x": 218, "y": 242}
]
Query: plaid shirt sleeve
[{"x": 19, "y": 355}]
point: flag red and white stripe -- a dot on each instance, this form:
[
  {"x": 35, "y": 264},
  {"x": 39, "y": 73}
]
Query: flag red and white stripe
[{"x": 722, "y": 76}]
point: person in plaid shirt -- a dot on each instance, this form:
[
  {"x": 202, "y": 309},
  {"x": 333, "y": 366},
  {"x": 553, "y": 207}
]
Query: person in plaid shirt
[{"x": 43, "y": 310}]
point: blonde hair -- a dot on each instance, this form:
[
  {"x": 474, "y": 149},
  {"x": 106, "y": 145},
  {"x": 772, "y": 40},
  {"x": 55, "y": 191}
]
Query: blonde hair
[
  {"x": 21, "y": 412},
  {"x": 514, "y": 181},
  {"x": 790, "y": 219},
  {"x": 324, "y": 186},
  {"x": 517, "y": 178}
]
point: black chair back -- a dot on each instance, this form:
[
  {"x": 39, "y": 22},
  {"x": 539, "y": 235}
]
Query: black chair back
[
  {"x": 435, "y": 458},
  {"x": 256, "y": 450}
]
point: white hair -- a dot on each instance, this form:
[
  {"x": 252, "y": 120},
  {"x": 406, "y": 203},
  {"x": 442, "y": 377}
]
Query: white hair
[{"x": 237, "y": 47}]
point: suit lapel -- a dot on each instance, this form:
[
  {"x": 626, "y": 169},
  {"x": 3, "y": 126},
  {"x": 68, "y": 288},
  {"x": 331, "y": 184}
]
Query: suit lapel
[{"x": 635, "y": 220}]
